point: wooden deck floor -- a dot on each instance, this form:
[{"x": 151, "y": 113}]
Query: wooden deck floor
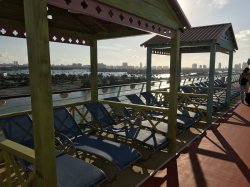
[{"x": 220, "y": 159}]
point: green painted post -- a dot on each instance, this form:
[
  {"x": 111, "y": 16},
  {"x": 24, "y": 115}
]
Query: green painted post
[
  {"x": 93, "y": 70},
  {"x": 174, "y": 68},
  {"x": 40, "y": 85},
  {"x": 149, "y": 69},
  {"x": 179, "y": 72},
  {"x": 229, "y": 77},
  {"x": 211, "y": 83}
]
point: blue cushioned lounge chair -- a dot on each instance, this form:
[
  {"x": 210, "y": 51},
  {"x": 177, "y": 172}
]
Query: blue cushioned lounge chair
[
  {"x": 182, "y": 120},
  {"x": 126, "y": 115},
  {"x": 119, "y": 154},
  {"x": 70, "y": 171},
  {"x": 152, "y": 140},
  {"x": 152, "y": 101}
]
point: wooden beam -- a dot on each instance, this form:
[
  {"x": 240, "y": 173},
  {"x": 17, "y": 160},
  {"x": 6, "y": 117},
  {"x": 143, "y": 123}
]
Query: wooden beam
[
  {"x": 119, "y": 16},
  {"x": 41, "y": 96},
  {"x": 229, "y": 77},
  {"x": 93, "y": 71},
  {"x": 119, "y": 34},
  {"x": 211, "y": 84},
  {"x": 174, "y": 68},
  {"x": 18, "y": 150},
  {"x": 179, "y": 71},
  {"x": 149, "y": 69}
]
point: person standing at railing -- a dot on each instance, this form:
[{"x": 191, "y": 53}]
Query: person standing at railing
[{"x": 244, "y": 82}]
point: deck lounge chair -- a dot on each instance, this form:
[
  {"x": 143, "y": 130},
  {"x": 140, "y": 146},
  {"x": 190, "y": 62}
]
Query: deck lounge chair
[
  {"x": 182, "y": 120},
  {"x": 70, "y": 171},
  {"x": 152, "y": 140},
  {"x": 116, "y": 153},
  {"x": 152, "y": 101},
  {"x": 217, "y": 104},
  {"x": 125, "y": 115}
]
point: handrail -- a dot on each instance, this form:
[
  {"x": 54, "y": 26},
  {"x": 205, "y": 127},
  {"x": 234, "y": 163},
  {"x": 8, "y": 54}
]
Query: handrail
[
  {"x": 18, "y": 150},
  {"x": 191, "y": 77}
]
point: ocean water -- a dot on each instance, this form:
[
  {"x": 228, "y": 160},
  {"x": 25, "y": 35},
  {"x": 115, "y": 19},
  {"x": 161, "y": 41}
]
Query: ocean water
[
  {"x": 78, "y": 72},
  {"x": 67, "y": 72}
]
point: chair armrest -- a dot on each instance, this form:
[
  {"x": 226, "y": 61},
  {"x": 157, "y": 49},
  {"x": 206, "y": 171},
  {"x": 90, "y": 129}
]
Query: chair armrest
[
  {"x": 65, "y": 144},
  {"x": 87, "y": 128}
]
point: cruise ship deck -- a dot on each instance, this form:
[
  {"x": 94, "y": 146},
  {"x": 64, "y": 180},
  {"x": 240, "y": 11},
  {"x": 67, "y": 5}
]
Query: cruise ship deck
[
  {"x": 36, "y": 138},
  {"x": 219, "y": 158}
]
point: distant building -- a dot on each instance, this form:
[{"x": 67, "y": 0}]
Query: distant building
[
  {"x": 101, "y": 66},
  {"x": 194, "y": 66},
  {"x": 76, "y": 65},
  {"x": 200, "y": 66},
  {"x": 204, "y": 66},
  {"x": 140, "y": 65},
  {"x": 125, "y": 65},
  {"x": 244, "y": 65},
  {"x": 15, "y": 63},
  {"x": 219, "y": 67},
  {"x": 237, "y": 66}
]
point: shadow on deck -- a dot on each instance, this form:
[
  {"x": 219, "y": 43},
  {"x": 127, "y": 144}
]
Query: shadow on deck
[{"x": 219, "y": 158}]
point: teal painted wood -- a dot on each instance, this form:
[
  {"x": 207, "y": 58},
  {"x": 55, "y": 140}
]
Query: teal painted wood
[
  {"x": 226, "y": 41},
  {"x": 174, "y": 66},
  {"x": 36, "y": 24},
  {"x": 94, "y": 71},
  {"x": 149, "y": 69},
  {"x": 229, "y": 77},
  {"x": 179, "y": 71},
  {"x": 189, "y": 44},
  {"x": 211, "y": 84}
]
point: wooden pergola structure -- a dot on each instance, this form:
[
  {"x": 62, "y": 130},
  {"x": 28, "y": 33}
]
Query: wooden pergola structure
[
  {"x": 204, "y": 39},
  {"x": 82, "y": 22}
]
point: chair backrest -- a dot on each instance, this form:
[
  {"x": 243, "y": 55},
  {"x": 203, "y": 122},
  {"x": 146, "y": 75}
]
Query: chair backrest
[
  {"x": 187, "y": 89},
  {"x": 100, "y": 114},
  {"x": 123, "y": 110},
  {"x": 135, "y": 99},
  {"x": 150, "y": 99},
  {"x": 18, "y": 129},
  {"x": 64, "y": 123}
]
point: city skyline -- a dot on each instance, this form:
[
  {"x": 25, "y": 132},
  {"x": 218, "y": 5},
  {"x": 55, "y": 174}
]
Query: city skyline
[
  {"x": 116, "y": 51},
  {"x": 125, "y": 65}
]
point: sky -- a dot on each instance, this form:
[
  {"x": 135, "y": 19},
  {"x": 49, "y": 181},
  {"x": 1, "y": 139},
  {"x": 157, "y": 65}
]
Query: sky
[{"x": 117, "y": 51}]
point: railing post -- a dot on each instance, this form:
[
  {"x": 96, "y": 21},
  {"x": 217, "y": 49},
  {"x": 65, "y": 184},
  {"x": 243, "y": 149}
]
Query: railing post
[
  {"x": 143, "y": 84},
  {"x": 119, "y": 91},
  {"x": 160, "y": 84}
]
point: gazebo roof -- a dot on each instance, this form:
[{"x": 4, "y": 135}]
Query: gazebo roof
[
  {"x": 81, "y": 21},
  {"x": 200, "y": 37}
]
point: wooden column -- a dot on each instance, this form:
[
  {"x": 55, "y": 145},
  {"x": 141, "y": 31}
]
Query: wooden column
[
  {"x": 174, "y": 68},
  {"x": 149, "y": 69},
  {"x": 179, "y": 72},
  {"x": 229, "y": 77},
  {"x": 211, "y": 83},
  {"x": 40, "y": 85},
  {"x": 93, "y": 71}
]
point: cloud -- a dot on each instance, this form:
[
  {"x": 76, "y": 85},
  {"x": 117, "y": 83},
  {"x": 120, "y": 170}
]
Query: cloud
[
  {"x": 219, "y": 4},
  {"x": 111, "y": 46},
  {"x": 243, "y": 35},
  {"x": 243, "y": 39},
  {"x": 5, "y": 55}
]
